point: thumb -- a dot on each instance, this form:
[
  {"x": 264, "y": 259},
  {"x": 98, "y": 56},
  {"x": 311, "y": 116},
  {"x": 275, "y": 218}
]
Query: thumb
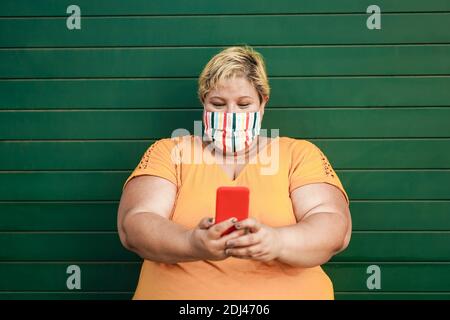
[{"x": 206, "y": 222}]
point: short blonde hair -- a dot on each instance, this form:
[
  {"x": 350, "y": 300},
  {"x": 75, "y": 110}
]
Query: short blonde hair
[{"x": 234, "y": 61}]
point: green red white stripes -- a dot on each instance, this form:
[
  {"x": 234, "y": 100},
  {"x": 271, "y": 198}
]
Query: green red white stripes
[{"x": 231, "y": 131}]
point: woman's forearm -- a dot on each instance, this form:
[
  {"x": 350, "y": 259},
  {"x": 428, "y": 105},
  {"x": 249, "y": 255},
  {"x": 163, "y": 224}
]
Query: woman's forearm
[
  {"x": 158, "y": 239},
  {"x": 312, "y": 241}
]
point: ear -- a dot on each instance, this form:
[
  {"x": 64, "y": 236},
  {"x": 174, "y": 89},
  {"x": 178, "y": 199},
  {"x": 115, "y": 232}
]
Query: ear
[{"x": 263, "y": 105}]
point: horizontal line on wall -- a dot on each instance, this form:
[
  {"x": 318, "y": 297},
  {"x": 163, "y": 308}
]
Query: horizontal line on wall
[
  {"x": 199, "y": 109},
  {"x": 12, "y": 79},
  {"x": 96, "y": 78},
  {"x": 139, "y": 262},
  {"x": 57, "y": 231},
  {"x": 261, "y": 45},
  {"x": 385, "y": 262},
  {"x": 61, "y": 201},
  {"x": 77, "y": 292},
  {"x": 71, "y": 292},
  {"x": 379, "y": 292},
  {"x": 116, "y": 232},
  {"x": 400, "y": 200},
  {"x": 402, "y": 231},
  {"x": 132, "y": 292},
  {"x": 63, "y": 171},
  {"x": 117, "y": 201},
  {"x": 151, "y": 140},
  {"x": 390, "y": 170},
  {"x": 336, "y": 168},
  {"x": 379, "y": 139},
  {"x": 214, "y": 15},
  {"x": 130, "y": 169},
  {"x": 70, "y": 262},
  {"x": 421, "y": 75},
  {"x": 181, "y": 47},
  {"x": 60, "y": 232},
  {"x": 112, "y": 201}
]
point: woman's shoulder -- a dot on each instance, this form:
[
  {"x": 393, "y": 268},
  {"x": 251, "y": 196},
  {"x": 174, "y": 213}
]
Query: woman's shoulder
[
  {"x": 165, "y": 147},
  {"x": 177, "y": 146},
  {"x": 173, "y": 141},
  {"x": 296, "y": 145}
]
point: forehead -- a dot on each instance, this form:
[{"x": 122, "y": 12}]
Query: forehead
[{"x": 234, "y": 87}]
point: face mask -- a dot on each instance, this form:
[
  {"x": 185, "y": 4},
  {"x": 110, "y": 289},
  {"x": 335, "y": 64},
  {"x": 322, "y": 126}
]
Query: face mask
[{"x": 231, "y": 131}]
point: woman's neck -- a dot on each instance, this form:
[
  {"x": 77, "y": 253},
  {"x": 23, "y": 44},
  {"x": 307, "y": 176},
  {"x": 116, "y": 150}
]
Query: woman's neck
[{"x": 244, "y": 155}]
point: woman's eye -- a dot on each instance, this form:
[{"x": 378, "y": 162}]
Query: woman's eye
[{"x": 220, "y": 106}]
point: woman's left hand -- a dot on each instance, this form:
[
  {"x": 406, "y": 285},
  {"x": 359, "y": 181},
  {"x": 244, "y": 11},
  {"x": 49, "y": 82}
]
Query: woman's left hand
[{"x": 261, "y": 243}]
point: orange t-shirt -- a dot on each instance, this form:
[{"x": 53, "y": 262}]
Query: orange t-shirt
[{"x": 299, "y": 163}]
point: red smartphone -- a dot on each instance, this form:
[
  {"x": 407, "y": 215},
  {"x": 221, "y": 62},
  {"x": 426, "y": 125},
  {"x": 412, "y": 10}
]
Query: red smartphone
[{"x": 232, "y": 202}]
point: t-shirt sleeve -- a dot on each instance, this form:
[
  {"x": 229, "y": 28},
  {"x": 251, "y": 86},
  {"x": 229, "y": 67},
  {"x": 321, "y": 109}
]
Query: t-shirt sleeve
[
  {"x": 157, "y": 161},
  {"x": 310, "y": 165}
]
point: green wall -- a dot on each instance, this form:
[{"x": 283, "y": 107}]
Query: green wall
[{"x": 79, "y": 107}]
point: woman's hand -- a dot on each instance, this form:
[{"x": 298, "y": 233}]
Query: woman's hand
[
  {"x": 261, "y": 243},
  {"x": 206, "y": 240}
]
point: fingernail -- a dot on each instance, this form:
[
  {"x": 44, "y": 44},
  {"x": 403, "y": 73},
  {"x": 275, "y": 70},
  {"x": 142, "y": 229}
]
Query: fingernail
[
  {"x": 237, "y": 225},
  {"x": 233, "y": 220}
]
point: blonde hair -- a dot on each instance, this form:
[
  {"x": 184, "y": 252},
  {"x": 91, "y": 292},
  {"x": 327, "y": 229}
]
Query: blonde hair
[{"x": 234, "y": 61}]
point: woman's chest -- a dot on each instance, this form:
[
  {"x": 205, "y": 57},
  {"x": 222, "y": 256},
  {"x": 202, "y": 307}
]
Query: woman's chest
[
  {"x": 232, "y": 170},
  {"x": 270, "y": 201}
]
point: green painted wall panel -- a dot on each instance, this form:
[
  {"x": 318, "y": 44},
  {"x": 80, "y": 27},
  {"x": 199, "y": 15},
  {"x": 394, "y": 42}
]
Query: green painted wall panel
[
  {"x": 296, "y": 92},
  {"x": 41, "y": 295},
  {"x": 53, "y": 276},
  {"x": 62, "y": 216},
  {"x": 365, "y": 246},
  {"x": 79, "y": 108},
  {"x": 392, "y": 296},
  {"x": 107, "y": 185},
  {"x": 225, "y": 30},
  {"x": 174, "y": 7},
  {"x": 102, "y": 155},
  {"x": 301, "y": 123},
  {"x": 186, "y": 62},
  {"x": 64, "y": 246},
  {"x": 102, "y": 277},
  {"x": 102, "y": 215}
]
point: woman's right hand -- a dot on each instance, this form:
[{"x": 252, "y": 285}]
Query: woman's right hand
[{"x": 205, "y": 239}]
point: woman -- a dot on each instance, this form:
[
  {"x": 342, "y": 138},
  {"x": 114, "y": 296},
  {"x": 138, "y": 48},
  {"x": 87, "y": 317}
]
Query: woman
[{"x": 298, "y": 217}]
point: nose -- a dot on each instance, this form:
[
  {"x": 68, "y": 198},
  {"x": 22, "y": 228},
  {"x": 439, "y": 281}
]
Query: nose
[{"x": 233, "y": 108}]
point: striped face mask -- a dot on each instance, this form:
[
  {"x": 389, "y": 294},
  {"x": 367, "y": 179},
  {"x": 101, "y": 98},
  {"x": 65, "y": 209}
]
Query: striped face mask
[{"x": 231, "y": 131}]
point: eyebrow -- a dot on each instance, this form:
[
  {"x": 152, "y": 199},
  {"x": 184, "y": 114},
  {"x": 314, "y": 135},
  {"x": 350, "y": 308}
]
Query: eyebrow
[{"x": 239, "y": 97}]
